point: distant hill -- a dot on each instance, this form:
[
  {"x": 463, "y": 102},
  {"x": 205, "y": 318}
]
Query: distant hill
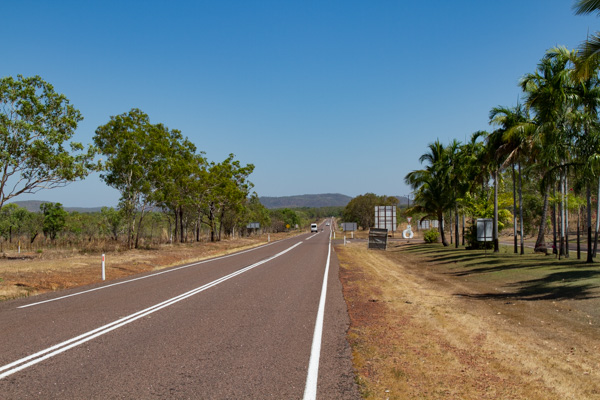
[
  {"x": 34, "y": 206},
  {"x": 306, "y": 200}
]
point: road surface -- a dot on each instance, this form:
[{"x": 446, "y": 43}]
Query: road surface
[{"x": 247, "y": 325}]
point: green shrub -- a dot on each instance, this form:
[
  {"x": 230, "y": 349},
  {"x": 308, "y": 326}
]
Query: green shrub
[{"x": 431, "y": 236}]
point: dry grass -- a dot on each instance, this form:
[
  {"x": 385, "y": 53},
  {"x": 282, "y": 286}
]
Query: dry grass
[
  {"x": 414, "y": 338},
  {"x": 28, "y": 274}
]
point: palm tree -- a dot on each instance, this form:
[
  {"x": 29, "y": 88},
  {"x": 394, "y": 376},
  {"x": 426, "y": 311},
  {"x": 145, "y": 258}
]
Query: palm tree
[
  {"x": 432, "y": 185},
  {"x": 496, "y": 153},
  {"x": 591, "y": 46},
  {"x": 515, "y": 145},
  {"x": 457, "y": 175},
  {"x": 549, "y": 94},
  {"x": 586, "y": 86}
]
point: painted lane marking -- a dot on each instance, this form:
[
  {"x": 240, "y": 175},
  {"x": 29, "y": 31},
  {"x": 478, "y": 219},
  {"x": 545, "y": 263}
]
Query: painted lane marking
[
  {"x": 42, "y": 355},
  {"x": 310, "y": 390},
  {"x": 150, "y": 276},
  {"x": 312, "y": 236}
]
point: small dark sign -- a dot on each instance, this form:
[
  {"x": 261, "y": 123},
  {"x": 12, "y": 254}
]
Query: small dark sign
[{"x": 378, "y": 238}]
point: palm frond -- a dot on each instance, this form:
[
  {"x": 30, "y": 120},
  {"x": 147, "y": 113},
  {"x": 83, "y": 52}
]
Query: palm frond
[{"x": 586, "y": 6}]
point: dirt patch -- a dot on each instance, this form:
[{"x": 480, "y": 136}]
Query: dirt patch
[{"x": 418, "y": 331}]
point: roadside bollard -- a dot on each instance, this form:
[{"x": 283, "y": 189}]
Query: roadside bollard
[{"x": 103, "y": 268}]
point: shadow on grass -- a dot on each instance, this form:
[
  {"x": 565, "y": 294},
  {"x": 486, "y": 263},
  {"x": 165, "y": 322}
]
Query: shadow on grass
[
  {"x": 542, "y": 277},
  {"x": 497, "y": 263},
  {"x": 556, "y": 286}
]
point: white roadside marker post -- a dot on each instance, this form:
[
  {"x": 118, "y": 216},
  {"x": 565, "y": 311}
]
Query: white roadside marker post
[{"x": 103, "y": 268}]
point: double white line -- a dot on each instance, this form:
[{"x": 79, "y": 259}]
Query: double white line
[{"x": 40, "y": 356}]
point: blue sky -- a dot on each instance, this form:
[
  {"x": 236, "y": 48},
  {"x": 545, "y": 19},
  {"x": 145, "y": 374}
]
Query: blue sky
[{"x": 321, "y": 96}]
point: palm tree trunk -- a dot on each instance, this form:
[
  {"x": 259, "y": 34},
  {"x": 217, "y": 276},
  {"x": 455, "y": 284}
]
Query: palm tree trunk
[
  {"x": 578, "y": 238},
  {"x": 515, "y": 208},
  {"x": 456, "y": 224},
  {"x": 566, "y": 216},
  {"x": 521, "y": 210},
  {"x": 597, "y": 219},
  {"x": 450, "y": 230},
  {"x": 554, "y": 240},
  {"x": 441, "y": 228},
  {"x": 540, "y": 243},
  {"x": 495, "y": 238},
  {"x": 590, "y": 258},
  {"x": 463, "y": 228},
  {"x": 561, "y": 210}
]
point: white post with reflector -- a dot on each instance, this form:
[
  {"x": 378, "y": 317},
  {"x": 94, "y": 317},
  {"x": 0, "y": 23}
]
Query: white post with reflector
[{"x": 103, "y": 268}]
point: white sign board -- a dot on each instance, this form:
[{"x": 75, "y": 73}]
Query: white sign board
[
  {"x": 428, "y": 224},
  {"x": 484, "y": 229},
  {"x": 385, "y": 218}
]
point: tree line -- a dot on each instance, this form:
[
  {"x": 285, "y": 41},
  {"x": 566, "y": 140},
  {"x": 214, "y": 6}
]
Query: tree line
[
  {"x": 154, "y": 168},
  {"x": 549, "y": 142}
]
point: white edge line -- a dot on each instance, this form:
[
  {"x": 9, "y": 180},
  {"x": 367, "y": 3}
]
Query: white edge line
[
  {"x": 86, "y": 337},
  {"x": 151, "y": 275},
  {"x": 310, "y": 390}
]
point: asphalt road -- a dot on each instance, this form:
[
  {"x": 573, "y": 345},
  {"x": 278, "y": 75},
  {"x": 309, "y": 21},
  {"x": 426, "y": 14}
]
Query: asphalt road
[{"x": 242, "y": 326}]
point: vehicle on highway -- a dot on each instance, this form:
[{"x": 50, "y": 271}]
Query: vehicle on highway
[
  {"x": 327, "y": 224},
  {"x": 314, "y": 228}
]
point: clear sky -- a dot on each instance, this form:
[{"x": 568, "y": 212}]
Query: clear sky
[{"x": 321, "y": 96}]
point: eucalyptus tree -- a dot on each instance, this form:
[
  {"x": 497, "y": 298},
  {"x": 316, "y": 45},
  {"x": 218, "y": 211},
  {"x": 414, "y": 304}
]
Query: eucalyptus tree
[
  {"x": 111, "y": 222},
  {"x": 175, "y": 175},
  {"x": 226, "y": 189},
  {"x": 138, "y": 155},
  {"x": 256, "y": 212},
  {"x": 54, "y": 219},
  {"x": 361, "y": 208},
  {"x": 36, "y": 126},
  {"x": 232, "y": 194},
  {"x": 12, "y": 220},
  {"x": 432, "y": 186}
]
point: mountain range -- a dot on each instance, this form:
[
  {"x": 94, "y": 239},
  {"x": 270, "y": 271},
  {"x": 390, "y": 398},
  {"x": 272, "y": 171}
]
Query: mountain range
[
  {"x": 306, "y": 200},
  {"x": 298, "y": 201}
]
